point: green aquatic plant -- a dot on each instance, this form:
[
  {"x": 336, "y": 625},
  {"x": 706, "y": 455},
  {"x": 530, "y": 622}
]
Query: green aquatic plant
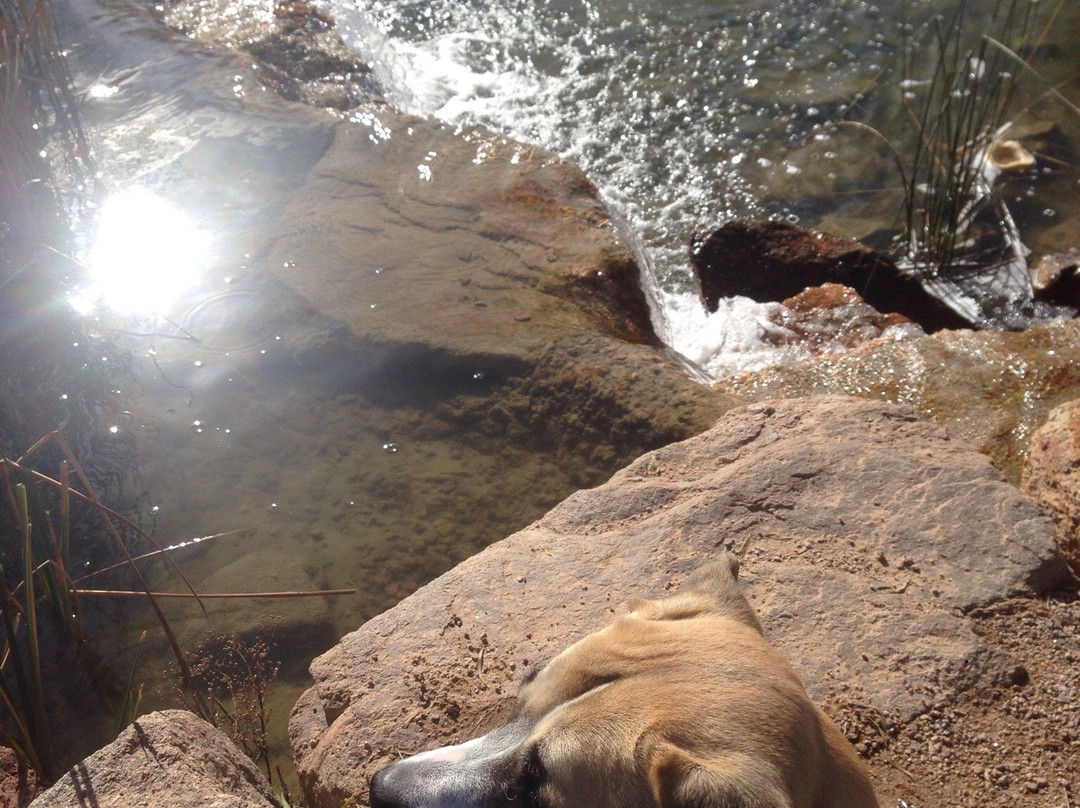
[
  {"x": 965, "y": 83},
  {"x": 959, "y": 110},
  {"x": 40, "y": 599},
  {"x": 40, "y": 129}
]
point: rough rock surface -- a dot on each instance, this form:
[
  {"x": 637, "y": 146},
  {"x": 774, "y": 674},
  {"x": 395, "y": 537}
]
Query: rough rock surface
[
  {"x": 866, "y": 535},
  {"x": 1052, "y": 476},
  {"x": 170, "y": 759},
  {"x": 18, "y": 785},
  {"x": 991, "y": 389},
  {"x": 771, "y": 260}
]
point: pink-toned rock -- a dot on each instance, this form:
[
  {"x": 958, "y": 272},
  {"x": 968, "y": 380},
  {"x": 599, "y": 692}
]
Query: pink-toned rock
[
  {"x": 990, "y": 389},
  {"x": 170, "y": 759},
  {"x": 1052, "y": 476},
  {"x": 832, "y": 318},
  {"x": 18, "y": 784},
  {"x": 865, "y": 535}
]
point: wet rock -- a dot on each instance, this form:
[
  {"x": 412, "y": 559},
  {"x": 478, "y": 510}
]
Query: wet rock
[
  {"x": 831, "y": 318},
  {"x": 991, "y": 389},
  {"x": 414, "y": 255},
  {"x": 169, "y": 759},
  {"x": 407, "y": 232},
  {"x": 772, "y": 260},
  {"x": 865, "y": 535},
  {"x": 298, "y": 48},
  {"x": 1057, "y": 278},
  {"x": 1052, "y": 476}
]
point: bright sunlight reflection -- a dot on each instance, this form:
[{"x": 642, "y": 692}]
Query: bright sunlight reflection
[{"x": 145, "y": 254}]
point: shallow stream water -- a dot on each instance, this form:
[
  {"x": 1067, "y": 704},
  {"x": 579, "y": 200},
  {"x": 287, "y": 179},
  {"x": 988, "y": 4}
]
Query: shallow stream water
[{"x": 684, "y": 114}]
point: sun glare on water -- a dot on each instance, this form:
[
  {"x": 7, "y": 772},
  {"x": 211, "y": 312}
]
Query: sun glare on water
[{"x": 145, "y": 254}]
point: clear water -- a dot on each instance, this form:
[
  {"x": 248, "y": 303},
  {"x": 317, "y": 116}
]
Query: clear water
[{"x": 685, "y": 114}]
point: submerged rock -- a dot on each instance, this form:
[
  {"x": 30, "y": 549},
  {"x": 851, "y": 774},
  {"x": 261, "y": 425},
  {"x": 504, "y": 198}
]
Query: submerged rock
[
  {"x": 298, "y": 48},
  {"x": 832, "y": 318},
  {"x": 865, "y": 535}
]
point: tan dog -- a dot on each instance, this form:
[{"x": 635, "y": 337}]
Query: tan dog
[{"x": 679, "y": 704}]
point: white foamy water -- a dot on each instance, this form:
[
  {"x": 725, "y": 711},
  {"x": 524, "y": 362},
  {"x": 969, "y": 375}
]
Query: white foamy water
[{"x": 684, "y": 114}]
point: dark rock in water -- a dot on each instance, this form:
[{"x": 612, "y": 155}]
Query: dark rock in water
[
  {"x": 1057, "y": 278},
  {"x": 1052, "y": 476},
  {"x": 770, "y": 261},
  {"x": 866, "y": 535},
  {"x": 298, "y": 47}
]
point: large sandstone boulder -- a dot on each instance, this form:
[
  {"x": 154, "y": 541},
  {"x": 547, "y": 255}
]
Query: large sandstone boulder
[
  {"x": 1052, "y": 476},
  {"x": 866, "y": 534},
  {"x": 171, "y": 759}
]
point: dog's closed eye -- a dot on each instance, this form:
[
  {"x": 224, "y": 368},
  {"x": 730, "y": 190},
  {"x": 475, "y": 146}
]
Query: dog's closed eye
[{"x": 530, "y": 779}]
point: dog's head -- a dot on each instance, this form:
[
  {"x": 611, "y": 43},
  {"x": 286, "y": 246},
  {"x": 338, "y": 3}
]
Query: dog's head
[{"x": 679, "y": 704}]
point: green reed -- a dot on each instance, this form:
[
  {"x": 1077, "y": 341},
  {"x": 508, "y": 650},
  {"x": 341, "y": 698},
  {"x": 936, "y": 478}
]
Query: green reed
[{"x": 958, "y": 108}]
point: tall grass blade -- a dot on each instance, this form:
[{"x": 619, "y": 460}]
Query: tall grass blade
[
  {"x": 130, "y": 708},
  {"x": 1023, "y": 63}
]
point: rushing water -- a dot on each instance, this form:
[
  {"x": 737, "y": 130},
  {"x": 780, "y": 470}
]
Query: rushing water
[{"x": 687, "y": 113}]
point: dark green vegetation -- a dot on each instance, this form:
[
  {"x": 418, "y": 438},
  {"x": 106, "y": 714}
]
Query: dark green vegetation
[{"x": 960, "y": 93}]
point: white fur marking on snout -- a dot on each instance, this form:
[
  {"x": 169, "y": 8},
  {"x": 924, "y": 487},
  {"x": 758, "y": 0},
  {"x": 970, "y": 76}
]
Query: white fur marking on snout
[{"x": 448, "y": 754}]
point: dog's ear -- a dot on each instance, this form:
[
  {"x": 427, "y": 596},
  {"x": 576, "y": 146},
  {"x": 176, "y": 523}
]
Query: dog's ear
[
  {"x": 736, "y": 781},
  {"x": 723, "y": 571},
  {"x": 712, "y": 589}
]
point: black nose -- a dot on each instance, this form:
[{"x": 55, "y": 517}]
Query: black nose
[{"x": 382, "y": 796}]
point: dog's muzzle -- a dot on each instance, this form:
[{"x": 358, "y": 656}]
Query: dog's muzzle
[{"x": 481, "y": 773}]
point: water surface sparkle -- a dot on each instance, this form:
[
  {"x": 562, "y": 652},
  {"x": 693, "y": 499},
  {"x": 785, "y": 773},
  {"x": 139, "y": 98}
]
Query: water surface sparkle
[{"x": 146, "y": 253}]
